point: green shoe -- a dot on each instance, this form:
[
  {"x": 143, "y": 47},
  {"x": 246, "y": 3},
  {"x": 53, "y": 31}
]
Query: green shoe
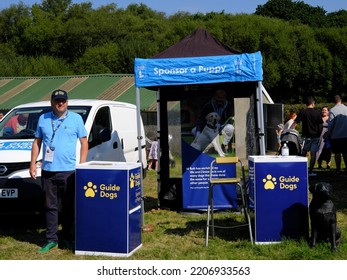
[{"x": 48, "y": 246}]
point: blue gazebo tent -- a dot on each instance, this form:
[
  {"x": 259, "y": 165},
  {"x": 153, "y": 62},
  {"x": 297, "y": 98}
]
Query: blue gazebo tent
[{"x": 199, "y": 61}]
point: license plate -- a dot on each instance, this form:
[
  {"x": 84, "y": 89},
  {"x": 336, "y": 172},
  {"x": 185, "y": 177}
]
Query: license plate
[{"x": 8, "y": 193}]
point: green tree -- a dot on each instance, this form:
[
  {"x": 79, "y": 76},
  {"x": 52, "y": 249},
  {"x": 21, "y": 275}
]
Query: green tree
[
  {"x": 293, "y": 60},
  {"x": 77, "y": 33},
  {"x": 283, "y": 9},
  {"x": 293, "y": 11},
  {"x": 13, "y": 22},
  {"x": 335, "y": 40},
  {"x": 99, "y": 59},
  {"x": 55, "y": 7},
  {"x": 337, "y": 19},
  {"x": 8, "y": 60},
  {"x": 45, "y": 66},
  {"x": 41, "y": 35},
  {"x": 56, "y": 37}
]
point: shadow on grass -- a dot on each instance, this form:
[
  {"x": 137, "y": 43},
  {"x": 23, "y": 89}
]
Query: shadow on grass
[
  {"x": 31, "y": 228},
  {"x": 26, "y": 228},
  {"x": 227, "y": 234},
  {"x": 150, "y": 203}
]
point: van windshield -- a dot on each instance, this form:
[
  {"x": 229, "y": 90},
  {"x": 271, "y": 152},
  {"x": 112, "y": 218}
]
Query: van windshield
[{"x": 21, "y": 123}]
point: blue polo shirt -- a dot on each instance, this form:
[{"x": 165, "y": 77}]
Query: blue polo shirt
[{"x": 68, "y": 130}]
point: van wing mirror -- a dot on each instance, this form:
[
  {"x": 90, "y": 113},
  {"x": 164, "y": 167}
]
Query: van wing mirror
[{"x": 104, "y": 134}]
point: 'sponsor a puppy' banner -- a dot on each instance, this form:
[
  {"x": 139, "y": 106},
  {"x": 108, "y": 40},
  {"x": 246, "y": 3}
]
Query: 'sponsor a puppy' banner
[
  {"x": 161, "y": 72},
  {"x": 198, "y": 70}
]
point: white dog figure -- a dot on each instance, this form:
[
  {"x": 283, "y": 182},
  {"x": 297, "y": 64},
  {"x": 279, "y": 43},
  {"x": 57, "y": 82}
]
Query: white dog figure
[
  {"x": 209, "y": 136},
  {"x": 228, "y": 133}
]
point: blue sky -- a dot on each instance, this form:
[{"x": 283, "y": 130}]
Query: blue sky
[{"x": 193, "y": 6}]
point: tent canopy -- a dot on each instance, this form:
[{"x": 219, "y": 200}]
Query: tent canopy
[
  {"x": 198, "y": 43},
  {"x": 215, "y": 63}
]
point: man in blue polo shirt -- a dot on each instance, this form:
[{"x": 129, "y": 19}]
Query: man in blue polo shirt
[{"x": 58, "y": 131}]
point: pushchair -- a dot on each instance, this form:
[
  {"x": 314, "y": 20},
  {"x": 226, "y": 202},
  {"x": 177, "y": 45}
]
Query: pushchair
[{"x": 293, "y": 140}]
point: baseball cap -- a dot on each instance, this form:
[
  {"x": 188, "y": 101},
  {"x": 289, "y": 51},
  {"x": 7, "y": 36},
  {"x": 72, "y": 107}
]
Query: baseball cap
[{"x": 59, "y": 94}]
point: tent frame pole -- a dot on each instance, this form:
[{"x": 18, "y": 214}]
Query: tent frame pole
[
  {"x": 159, "y": 146},
  {"x": 139, "y": 146},
  {"x": 260, "y": 118}
]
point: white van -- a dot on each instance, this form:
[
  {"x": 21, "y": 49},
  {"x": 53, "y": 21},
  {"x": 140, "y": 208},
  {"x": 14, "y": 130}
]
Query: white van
[{"x": 112, "y": 136}]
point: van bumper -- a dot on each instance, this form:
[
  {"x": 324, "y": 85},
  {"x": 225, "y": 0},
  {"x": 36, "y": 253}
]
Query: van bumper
[{"x": 21, "y": 195}]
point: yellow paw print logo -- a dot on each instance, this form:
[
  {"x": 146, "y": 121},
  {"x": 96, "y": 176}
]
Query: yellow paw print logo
[
  {"x": 269, "y": 182},
  {"x": 90, "y": 189},
  {"x": 132, "y": 180}
]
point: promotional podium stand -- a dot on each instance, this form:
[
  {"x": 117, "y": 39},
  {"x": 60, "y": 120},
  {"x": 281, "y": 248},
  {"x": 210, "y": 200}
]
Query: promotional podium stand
[
  {"x": 108, "y": 208},
  {"x": 279, "y": 188}
]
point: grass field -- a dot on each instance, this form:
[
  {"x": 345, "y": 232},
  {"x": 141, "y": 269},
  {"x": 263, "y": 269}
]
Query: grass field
[{"x": 180, "y": 237}]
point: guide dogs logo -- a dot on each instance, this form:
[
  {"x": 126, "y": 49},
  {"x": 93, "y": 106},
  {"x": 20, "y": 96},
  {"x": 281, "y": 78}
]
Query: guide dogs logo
[
  {"x": 90, "y": 189},
  {"x": 132, "y": 181},
  {"x": 135, "y": 180},
  {"x": 104, "y": 191},
  {"x": 111, "y": 190},
  {"x": 269, "y": 182},
  {"x": 285, "y": 183}
]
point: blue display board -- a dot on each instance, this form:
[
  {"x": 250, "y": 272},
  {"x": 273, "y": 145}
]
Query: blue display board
[
  {"x": 279, "y": 191},
  {"x": 108, "y": 208},
  {"x": 196, "y": 166}
]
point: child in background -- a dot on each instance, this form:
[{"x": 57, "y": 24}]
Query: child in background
[
  {"x": 279, "y": 130},
  {"x": 153, "y": 155}
]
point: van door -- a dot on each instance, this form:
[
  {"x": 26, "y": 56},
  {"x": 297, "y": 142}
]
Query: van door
[
  {"x": 99, "y": 149},
  {"x": 125, "y": 120}
]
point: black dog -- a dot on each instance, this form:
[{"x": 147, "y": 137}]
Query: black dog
[{"x": 323, "y": 216}]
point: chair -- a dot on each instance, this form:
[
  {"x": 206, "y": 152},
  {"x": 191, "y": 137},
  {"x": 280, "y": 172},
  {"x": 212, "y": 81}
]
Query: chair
[{"x": 235, "y": 182}]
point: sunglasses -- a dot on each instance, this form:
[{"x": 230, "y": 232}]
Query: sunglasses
[{"x": 60, "y": 100}]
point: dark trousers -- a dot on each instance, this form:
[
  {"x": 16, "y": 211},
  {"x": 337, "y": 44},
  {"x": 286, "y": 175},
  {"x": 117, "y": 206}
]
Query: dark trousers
[{"x": 59, "y": 190}]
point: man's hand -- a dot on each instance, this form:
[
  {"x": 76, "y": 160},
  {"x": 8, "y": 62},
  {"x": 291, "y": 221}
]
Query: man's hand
[{"x": 33, "y": 171}]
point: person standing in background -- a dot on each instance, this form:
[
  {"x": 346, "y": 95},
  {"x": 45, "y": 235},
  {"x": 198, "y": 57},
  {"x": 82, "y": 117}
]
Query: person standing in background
[
  {"x": 58, "y": 131},
  {"x": 324, "y": 151},
  {"x": 289, "y": 120},
  {"x": 312, "y": 122},
  {"x": 337, "y": 131},
  {"x": 17, "y": 123}
]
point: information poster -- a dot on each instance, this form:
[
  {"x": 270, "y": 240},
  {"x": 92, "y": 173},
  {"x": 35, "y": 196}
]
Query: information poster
[{"x": 207, "y": 133}]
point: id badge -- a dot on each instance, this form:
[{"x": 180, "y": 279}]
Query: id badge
[{"x": 49, "y": 154}]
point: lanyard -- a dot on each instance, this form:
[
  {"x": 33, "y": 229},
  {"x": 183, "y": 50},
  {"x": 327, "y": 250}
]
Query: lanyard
[{"x": 60, "y": 122}]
